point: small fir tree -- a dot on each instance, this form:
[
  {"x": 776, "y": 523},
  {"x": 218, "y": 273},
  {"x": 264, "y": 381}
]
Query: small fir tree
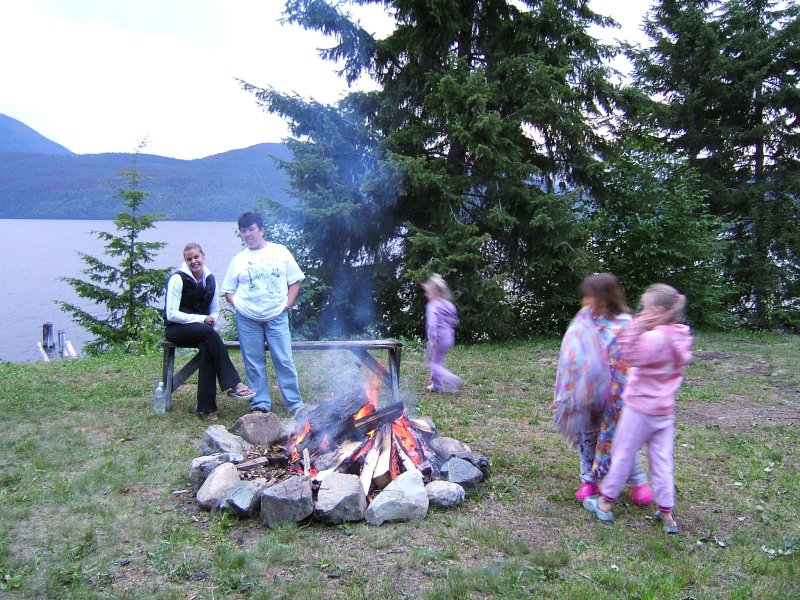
[{"x": 127, "y": 288}]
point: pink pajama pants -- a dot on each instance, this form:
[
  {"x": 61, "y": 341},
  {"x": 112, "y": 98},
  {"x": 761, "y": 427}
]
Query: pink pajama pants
[{"x": 634, "y": 430}]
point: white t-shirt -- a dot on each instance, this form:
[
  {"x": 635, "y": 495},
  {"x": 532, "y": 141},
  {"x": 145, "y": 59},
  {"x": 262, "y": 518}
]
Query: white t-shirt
[{"x": 260, "y": 280}]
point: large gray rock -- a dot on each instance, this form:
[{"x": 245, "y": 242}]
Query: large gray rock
[
  {"x": 457, "y": 470},
  {"x": 262, "y": 429},
  {"x": 244, "y": 498},
  {"x": 445, "y": 494},
  {"x": 218, "y": 439},
  {"x": 340, "y": 498},
  {"x": 448, "y": 447},
  {"x": 403, "y": 499},
  {"x": 479, "y": 461},
  {"x": 201, "y": 467},
  {"x": 214, "y": 488},
  {"x": 289, "y": 500}
]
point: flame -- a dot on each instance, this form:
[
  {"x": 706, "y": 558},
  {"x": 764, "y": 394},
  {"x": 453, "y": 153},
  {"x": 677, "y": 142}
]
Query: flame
[
  {"x": 295, "y": 440},
  {"x": 401, "y": 429},
  {"x": 365, "y": 410}
]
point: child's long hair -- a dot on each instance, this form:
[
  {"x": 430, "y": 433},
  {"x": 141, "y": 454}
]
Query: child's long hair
[
  {"x": 437, "y": 286},
  {"x": 661, "y": 295},
  {"x": 604, "y": 288}
]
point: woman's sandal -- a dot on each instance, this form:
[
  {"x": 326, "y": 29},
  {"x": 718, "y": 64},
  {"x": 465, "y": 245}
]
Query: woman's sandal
[
  {"x": 670, "y": 528},
  {"x": 243, "y": 393}
]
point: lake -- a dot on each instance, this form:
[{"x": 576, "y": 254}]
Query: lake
[{"x": 36, "y": 253}]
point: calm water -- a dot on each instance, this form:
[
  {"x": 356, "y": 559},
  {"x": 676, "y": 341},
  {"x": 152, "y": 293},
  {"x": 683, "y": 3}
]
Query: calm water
[{"x": 35, "y": 253}]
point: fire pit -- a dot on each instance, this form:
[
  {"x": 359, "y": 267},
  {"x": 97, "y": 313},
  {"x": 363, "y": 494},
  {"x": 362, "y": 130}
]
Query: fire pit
[{"x": 350, "y": 452}]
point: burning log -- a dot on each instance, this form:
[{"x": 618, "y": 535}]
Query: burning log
[
  {"x": 346, "y": 452},
  {"x": 405, "y": 459},
  {"x": 371, "y": 462},
  {"x": 352, "y": 434},
  {"x": 383, "y": 474},
  {"x": 378, "y": 417}
]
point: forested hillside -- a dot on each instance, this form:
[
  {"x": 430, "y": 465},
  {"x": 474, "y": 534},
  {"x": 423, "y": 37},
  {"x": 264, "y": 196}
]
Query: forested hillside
[{"x": 40, "y": 179}]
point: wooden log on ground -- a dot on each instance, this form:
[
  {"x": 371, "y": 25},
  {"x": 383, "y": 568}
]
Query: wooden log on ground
[{"x": 253, "y": 464}]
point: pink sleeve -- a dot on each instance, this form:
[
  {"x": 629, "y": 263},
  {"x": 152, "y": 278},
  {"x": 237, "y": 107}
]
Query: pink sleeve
[{"x": 641, "y": 347}]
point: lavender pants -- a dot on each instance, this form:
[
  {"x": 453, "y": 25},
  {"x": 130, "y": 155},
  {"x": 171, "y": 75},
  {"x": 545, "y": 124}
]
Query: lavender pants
[
  {"x": 441, "y": 377},
  {"x": 634, "y": 430}
]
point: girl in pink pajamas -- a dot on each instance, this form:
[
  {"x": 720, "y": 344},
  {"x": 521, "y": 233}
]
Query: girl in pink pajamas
[
  {"x": 441, "y": 319},
  {"x": 657, "y": 348}
]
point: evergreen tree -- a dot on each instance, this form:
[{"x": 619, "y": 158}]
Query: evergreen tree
[
  {"x": 126, "y": 288},
  {"x": 653, "y": 225},
  {"x": 761, "y": 50},
  {"x": 488, "y": 109},
  {"x": 721, "y": 82},
  {"x": 341, "y": 229}
]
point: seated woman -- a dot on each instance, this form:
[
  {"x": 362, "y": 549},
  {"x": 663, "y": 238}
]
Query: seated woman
[{"x": 190, "y": 312}]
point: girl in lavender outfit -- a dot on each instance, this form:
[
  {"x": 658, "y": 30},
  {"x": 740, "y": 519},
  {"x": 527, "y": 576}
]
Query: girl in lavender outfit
[
  {"x": 441, "y": 319},
  {"x": 657, "y": 348}
]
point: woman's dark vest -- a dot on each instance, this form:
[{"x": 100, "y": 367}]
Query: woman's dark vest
[{"x": 195, "y": 299}]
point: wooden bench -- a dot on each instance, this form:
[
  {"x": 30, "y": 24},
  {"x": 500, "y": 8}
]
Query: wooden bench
[{"x": 361, "y": 348}]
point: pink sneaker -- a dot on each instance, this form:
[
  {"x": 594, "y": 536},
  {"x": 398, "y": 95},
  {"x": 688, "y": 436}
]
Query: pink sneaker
[
  {"x": 586, "y": 490},
  {"x": 642, "y": 494}
]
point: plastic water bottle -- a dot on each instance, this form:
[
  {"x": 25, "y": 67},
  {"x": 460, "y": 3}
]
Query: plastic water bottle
[{"x": 160, "y": 399}]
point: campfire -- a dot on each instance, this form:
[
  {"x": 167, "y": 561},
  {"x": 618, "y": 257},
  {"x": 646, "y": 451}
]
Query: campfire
[
  {"x": 351, "y": 458},
  {"x": 353, "y": 434}
]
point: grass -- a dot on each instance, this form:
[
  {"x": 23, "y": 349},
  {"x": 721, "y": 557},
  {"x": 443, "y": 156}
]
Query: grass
[{"x": 93, "y": 501}]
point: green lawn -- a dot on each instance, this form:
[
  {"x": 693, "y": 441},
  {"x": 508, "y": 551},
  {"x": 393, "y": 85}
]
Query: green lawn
[{"x": 93, "y": 502}]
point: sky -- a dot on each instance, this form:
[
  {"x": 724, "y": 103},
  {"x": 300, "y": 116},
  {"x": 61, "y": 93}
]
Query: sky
[{"x": 104, "y": 75}]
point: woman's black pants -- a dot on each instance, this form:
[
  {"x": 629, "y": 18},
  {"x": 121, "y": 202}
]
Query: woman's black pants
[{"x": 215, "y": 364}]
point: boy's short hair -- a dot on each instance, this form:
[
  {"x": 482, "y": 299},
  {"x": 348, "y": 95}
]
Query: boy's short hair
[{"x": 246, "y": 219}]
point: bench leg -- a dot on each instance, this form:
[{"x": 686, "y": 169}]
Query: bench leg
[
  {"x": 166, "y": 374},
  {"x": 390, "y": 378},
  {"x": 186, "y": 371}
]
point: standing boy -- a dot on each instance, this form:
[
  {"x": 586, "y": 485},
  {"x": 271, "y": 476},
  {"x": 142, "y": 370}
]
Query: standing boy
[{"x": 262, "y": 283}]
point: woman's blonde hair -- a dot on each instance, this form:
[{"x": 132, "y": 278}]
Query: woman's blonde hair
[
  {"x": 661, "y": 295},
  {"x": 191, "y": 246},
  {"x": 437, "y": 286}
]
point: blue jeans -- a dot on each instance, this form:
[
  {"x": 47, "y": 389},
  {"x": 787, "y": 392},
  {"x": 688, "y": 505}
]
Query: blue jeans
[{"x": 252, "y": 337}]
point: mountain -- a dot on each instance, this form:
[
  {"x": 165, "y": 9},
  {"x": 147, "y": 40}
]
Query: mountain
[
  {"x": 40, "y": 179},
  {"x": 15, "y": 136}
]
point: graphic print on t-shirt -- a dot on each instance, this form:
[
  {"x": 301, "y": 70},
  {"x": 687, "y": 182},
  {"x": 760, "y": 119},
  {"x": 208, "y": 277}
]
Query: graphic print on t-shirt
[{"x": 264, "y": 277}]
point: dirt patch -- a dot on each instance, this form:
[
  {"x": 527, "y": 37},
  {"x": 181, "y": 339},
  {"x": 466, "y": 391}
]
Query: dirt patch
[
  {"x": 704, "y": 355},
  {"x": 739, "y": 415}
]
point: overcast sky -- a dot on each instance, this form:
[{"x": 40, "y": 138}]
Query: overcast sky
[{"x": 102, "y": 75}]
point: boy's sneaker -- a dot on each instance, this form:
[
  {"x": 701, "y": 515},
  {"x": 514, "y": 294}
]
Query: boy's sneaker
[
  {"x": 642, "y": 494},
  {"x": 586, "y": 490}
]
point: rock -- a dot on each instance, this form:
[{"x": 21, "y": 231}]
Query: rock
[
  {"x": 445, "y": 494},
  {"x": 448, "y": 447},
  {"x": 262, "y": 429},
  {"x": 217, "y": 485},
  {"x": 479, "y": 461},
  {"x": 458, "y": 470},
  {"x": 289, "y": 500},
  {"x": 340, "y": 498},
  {"x": 403, "y": 499},
  {"x": 201, "y": 467},
  {"x": 218, "y": 439},
  {"x": 244, "y": 498}
]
